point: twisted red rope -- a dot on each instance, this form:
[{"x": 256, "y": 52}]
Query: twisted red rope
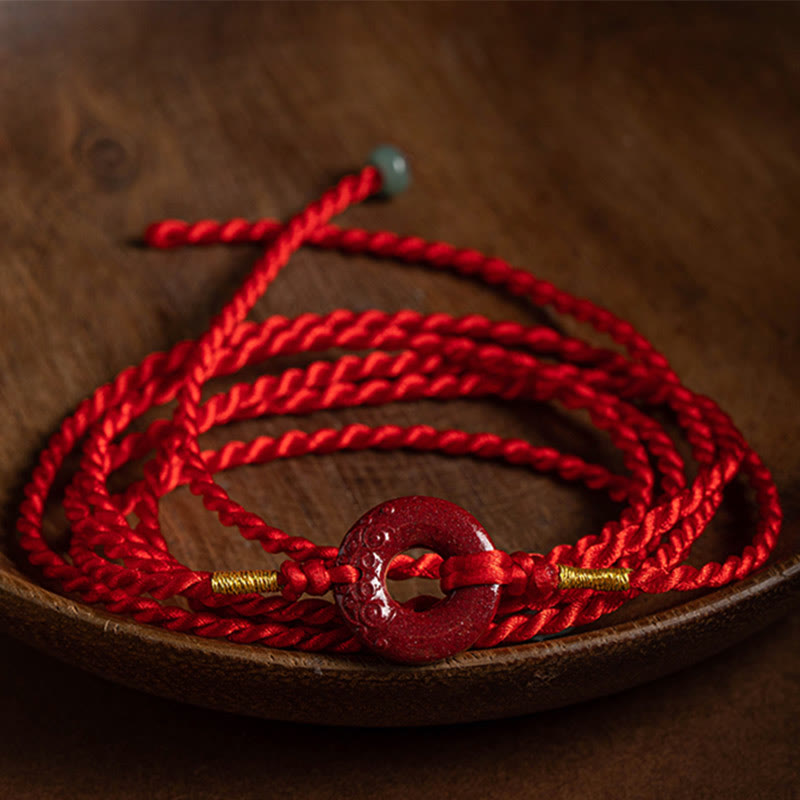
[{"x": 128, "y": 567}]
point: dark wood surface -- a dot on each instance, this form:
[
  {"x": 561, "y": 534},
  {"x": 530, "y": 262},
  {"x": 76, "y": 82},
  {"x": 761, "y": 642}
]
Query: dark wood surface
[{"x": 645, "y": 157}]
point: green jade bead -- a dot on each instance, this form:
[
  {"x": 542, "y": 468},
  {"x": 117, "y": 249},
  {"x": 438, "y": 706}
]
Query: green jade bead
[{"x": 393, "y": 167}]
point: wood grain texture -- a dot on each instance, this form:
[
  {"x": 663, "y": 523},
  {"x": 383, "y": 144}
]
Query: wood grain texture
[{"x": 643, "y": 157}]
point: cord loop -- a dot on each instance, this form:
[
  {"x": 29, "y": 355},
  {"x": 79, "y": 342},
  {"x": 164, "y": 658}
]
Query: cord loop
[{"x": 117, "y": 555}]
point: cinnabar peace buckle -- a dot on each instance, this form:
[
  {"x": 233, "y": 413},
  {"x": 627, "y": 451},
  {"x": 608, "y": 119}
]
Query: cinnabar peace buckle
[{"x": 399, "y": 632}]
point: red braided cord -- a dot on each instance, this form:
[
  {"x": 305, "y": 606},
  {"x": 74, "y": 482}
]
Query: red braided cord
[{"x": 128, "y": 567}]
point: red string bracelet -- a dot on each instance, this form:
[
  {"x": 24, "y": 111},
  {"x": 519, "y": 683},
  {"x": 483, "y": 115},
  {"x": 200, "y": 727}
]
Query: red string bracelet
[{"x": 118, "y": 557}]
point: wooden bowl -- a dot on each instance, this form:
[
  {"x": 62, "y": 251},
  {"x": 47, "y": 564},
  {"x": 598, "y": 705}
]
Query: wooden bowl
[{"x": 321, "y": 496}]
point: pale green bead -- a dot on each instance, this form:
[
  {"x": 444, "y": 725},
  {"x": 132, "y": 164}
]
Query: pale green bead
[{"x": 393, "y": 167}]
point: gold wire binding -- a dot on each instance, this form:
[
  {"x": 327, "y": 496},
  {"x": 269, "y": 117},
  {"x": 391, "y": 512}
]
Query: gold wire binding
[
  {"x": 263, "y": 580},
  {"x": 615, "y": 579}
]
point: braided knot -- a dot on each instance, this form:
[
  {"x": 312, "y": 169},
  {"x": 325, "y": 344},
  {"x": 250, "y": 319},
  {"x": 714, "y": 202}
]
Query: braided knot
[
  {"x": 313, "y": 577},
  {"x": 532, "y": 576},
  {"x": 521, "y": 573}
]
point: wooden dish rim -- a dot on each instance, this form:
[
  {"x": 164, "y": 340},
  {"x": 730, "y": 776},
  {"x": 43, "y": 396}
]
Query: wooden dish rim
[{"x": 21, "y": 592}]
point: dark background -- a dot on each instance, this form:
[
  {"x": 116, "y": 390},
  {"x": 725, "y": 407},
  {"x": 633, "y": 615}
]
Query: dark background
[{"x": 643, "y": 156}]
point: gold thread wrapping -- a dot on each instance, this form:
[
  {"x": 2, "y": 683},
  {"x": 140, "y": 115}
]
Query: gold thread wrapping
[
  {"x": 265, "y": 580},
  {"x": 616, "y": 579}
]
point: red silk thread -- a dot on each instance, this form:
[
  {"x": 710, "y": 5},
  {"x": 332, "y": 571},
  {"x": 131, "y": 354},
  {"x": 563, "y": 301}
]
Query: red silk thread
[{"x": 128, "y": 568}]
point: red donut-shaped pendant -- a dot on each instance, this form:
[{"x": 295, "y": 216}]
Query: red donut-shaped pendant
[{"x": 396, "y": 632}]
